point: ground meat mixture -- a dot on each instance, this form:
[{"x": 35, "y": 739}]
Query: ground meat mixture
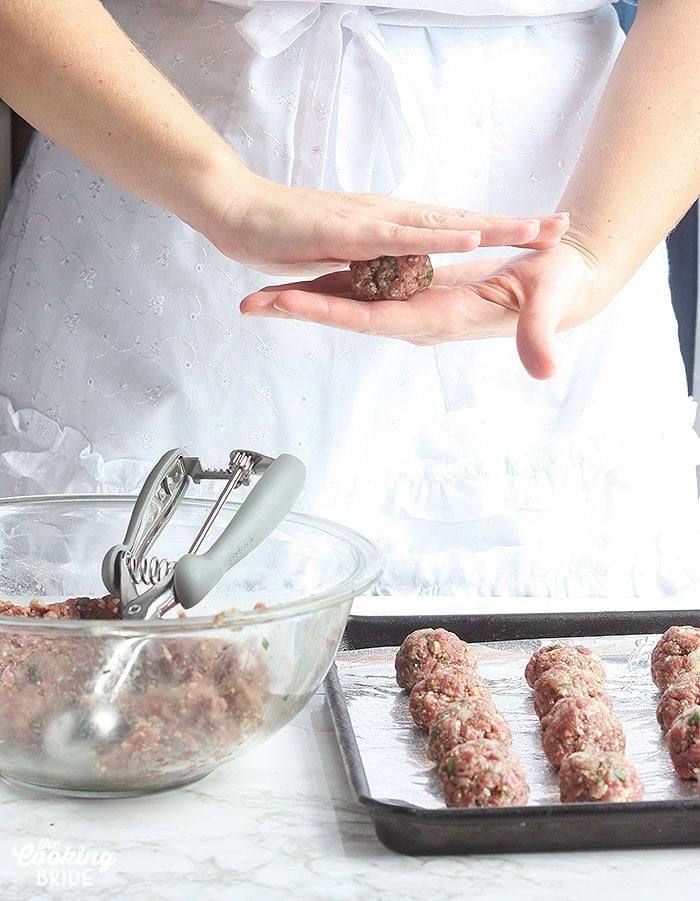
[
  {"x": 482, "y": 773},
  {"x": 579, "y": 723},
  {"x": 390, "y": 278},
  {"x": 683, "y": 743},
  {"x": 425, "y": 650},
  {"x": 185, "y": 700},
  {"x": 563, "y": 682},
  {"x": 107, "y": 607},
  {"x": 37, "y": 677},
  {"x": 678, "y": 697},
  {"x": 594, "y": 775},
  {"x": 465, "y": 720},
  {"x": 562, "y": 655},
  {"x": 449, "y": 683},
  {"x": 675, "y": 653}
]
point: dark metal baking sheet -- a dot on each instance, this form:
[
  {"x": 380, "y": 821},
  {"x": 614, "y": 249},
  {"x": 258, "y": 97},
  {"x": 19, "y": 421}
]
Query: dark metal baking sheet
[{"x": 410, "y": 821}]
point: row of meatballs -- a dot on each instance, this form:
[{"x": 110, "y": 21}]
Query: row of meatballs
[
  {"x": 675, "y": 670},
  {"x": 579, "y": 732},
  {"x": 581, "y": 736},
  {"x": 468, "y": 737}
]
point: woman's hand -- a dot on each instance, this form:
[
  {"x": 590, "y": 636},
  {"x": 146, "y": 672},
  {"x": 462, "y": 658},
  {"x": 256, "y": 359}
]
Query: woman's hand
[
  {"x": 532, "y": 296},
  {"x": 293, "y": 231},
  {"x": 69, "y": 69}
]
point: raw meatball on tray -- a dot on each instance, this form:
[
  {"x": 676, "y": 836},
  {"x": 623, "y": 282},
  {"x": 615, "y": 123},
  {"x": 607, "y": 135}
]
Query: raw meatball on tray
[{"x": 426, "y": 650}]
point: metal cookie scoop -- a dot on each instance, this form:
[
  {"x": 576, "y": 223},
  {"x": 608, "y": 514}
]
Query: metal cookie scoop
[
  {"x": 186, "y": 582},
  {"x": 75, "y": 734}
]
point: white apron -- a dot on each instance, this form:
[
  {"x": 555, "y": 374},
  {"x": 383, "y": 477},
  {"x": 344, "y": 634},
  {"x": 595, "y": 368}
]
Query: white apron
[{"x": 122, "y": 335}]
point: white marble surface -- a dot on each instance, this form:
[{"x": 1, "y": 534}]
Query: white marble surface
[{"x": 282, "y": 823}]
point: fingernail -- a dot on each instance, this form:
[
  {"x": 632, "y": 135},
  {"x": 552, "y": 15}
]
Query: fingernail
[{"x": 561, "y": 215}]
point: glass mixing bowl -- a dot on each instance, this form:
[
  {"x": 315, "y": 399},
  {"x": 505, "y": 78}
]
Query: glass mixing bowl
[{"x": 193, "y": 692}]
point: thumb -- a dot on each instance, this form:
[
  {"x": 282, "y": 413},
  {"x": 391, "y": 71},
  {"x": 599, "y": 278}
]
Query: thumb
[{"x": 537, "y": 325}]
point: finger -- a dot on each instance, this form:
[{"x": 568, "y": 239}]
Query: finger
[
  {"x": 386, "y": 318},
  {"x": 552, "y": 230},
  {"x": 308, "y": 269},
  {"x": 531, "y": 233},
  {"x": 367, "y": 239},
  {"x": 405, "y": 212},
  {"x": 538, "y": 316},
  {"x": 537, "y": 232},
  {"x": 261, "y": 303},
  {"x": 338, "y": 284},
  {"x": 414, "y": 320},
  {"x": 433, "y": 316},
  {"x": 384, "y": 239}
]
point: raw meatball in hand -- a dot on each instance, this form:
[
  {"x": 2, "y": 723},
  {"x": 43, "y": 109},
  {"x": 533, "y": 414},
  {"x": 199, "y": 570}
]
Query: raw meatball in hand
[
  {"x": 425, "y": 650},
  {"x": 390, "y": 278}
]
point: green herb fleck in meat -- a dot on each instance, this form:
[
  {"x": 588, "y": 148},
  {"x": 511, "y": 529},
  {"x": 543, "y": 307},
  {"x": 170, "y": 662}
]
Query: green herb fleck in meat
[
  {"x": 265, "y": 643},
  {"x": 694, "y": 718},
  {"x": 450, "y": 765},
  {"x": 82, "y": 602},
  {"x": 620, "y": 773}
]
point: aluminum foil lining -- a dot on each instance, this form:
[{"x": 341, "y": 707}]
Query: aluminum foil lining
[{"x": 392, "y": 747}]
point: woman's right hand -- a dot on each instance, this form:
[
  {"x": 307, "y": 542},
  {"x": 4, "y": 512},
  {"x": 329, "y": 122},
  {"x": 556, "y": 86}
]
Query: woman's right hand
[
  {"x": 295, "y": 231},
  {"x": 70, "y": 71}
]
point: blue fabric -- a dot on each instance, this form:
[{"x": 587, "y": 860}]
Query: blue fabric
[{"x": 626, "y": 10}]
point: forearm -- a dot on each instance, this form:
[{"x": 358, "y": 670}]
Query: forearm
[
  {"x": 72, "y": 73},
  {"x": 639, "y": 170}
]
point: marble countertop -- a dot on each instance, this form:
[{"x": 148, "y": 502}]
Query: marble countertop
[{"x": 281, "y": 823}]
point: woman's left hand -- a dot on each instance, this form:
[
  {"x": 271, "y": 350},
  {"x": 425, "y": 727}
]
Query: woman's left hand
[{"x": 532, "y": 296}]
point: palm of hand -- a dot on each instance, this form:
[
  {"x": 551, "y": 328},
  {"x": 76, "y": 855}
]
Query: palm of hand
[{"x": 532, "y": 296}]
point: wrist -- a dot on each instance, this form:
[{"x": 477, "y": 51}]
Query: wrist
[
  {"x": 603, "y": 262},
  {"x": 215, "y": 182}
]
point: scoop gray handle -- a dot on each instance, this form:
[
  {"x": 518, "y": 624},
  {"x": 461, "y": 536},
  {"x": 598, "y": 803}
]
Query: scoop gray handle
[{"x": 268, "y": 502}]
